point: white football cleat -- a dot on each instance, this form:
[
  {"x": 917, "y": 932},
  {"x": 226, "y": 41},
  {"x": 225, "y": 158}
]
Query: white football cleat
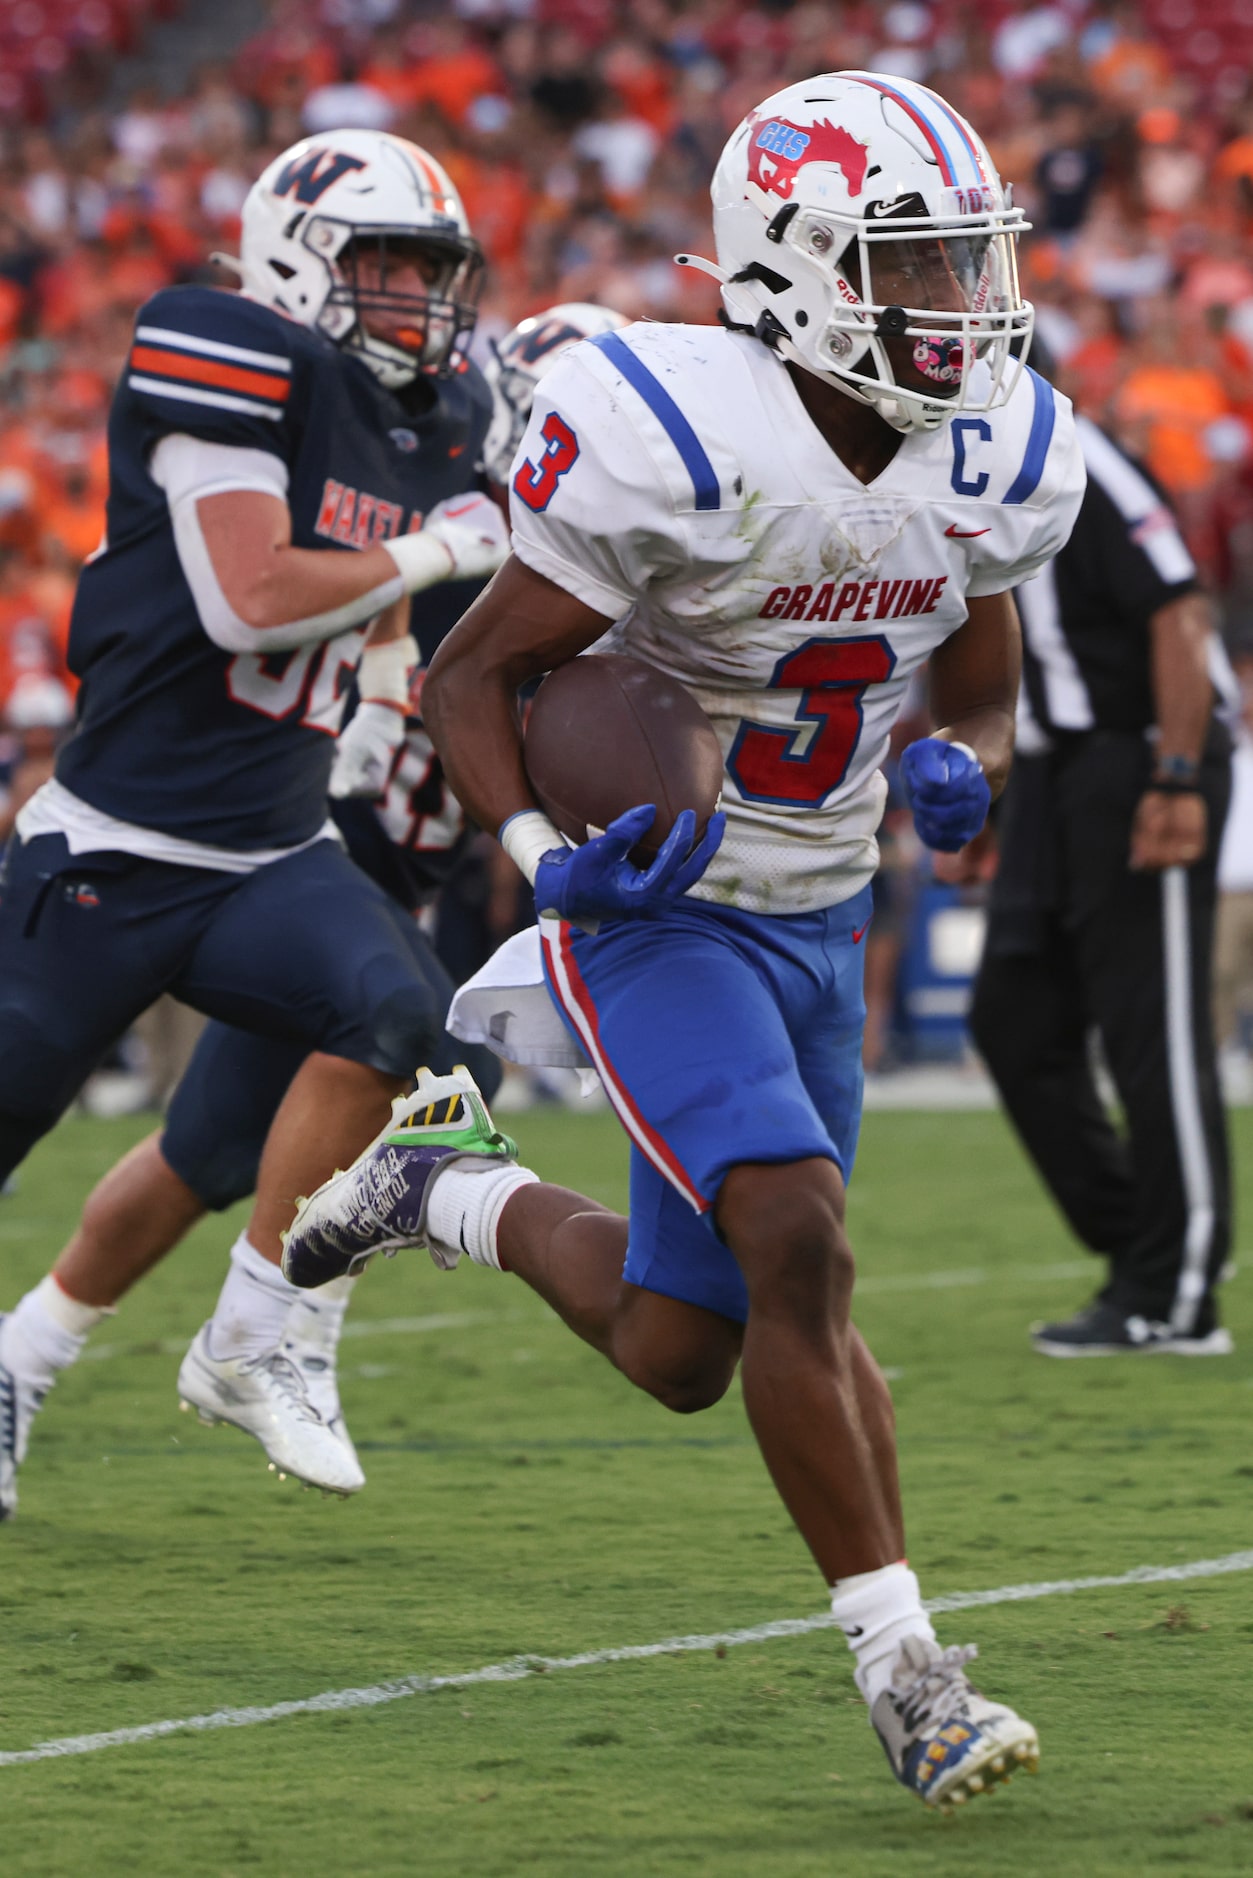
[
  {"x": 310, "y": 1340},
  {"x": 20, "y": 1402},
  {"x": 266, "y": 1396},
  {"x": 944, "y": 1740}
]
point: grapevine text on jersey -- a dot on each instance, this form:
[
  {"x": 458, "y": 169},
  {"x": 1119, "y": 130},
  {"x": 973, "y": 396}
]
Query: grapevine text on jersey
[{"x": 856, "y": 600}]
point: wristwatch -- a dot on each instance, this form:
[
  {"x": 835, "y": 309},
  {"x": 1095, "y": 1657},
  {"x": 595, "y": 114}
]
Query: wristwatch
[{"x": 1175, "y": 775}]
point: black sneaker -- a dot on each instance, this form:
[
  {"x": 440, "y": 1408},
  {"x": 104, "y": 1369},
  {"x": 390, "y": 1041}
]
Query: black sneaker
[{"x": 1101, "y": 1329}]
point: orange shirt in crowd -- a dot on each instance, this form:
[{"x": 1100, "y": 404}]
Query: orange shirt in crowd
[
  {"x": 1172, "y": 404},
  {"x": 498, "y": 203},
  {"x": 452, "y": 83},
  {"x": 1093, "y": 371},
  {"x": 1235, "y": 160},
  {"x": 1132, "y": 71},
  {"x": 75, "y": 525}
]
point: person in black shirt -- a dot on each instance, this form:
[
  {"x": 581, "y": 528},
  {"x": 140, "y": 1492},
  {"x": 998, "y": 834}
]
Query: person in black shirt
[
  {"x": 1102, "y": 917},
  {"x": 1069, "y": 171}
]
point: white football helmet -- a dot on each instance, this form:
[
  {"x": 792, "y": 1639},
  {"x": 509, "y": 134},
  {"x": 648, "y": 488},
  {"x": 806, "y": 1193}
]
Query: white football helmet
[
  {"x": 310, "y": 217},
  {"x": 855, "y": 210},
  {"x": 516, "y": 365}
]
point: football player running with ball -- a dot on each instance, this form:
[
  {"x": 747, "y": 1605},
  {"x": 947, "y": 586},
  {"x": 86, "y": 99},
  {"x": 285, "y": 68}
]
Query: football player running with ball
[
  {"x": 288, "y": 465},
  {"x": 789, "y": 516}
]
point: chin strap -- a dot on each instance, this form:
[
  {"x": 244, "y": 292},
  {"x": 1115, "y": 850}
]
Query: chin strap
[{"x": 767, "y": 328}]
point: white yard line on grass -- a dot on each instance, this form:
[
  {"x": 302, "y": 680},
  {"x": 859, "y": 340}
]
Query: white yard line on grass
[
  {"x": 459, "y": 1320},
  {"x": 519, "y": 1668}
]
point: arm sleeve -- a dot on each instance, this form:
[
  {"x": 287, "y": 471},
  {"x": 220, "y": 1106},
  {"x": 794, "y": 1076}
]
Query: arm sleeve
[
  {"x": 1039, "y": 504},
  {"x": 188, "y": 469},
  {"x": 212, "y": 365},
  {"x": 589, "y": 507}
]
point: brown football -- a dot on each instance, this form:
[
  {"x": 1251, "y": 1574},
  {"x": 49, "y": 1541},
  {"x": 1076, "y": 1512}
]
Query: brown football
[{"x": 606, "y": 733}]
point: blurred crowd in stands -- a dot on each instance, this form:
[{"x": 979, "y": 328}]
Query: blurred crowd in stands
[{"x": 582, "y": 135}]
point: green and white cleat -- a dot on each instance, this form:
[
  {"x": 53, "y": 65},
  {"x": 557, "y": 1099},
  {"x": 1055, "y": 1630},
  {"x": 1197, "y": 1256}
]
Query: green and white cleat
[{"x": 379, "y": 1204}]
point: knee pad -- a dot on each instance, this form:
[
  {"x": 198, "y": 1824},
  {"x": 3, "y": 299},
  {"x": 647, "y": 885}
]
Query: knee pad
[{"x": 406, "y": 1027}]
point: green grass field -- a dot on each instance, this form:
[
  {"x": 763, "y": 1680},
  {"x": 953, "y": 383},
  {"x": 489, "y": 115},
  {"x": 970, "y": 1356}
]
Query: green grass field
[{"x": 522, "y": 1500}]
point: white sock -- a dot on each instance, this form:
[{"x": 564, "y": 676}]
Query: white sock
[
  {"x": 876, "y": 1611},
  {"x": 316, "y": 1318},
  {"x": 467, "y": 1200},
  {"x": 45, "y": 1332},
  {"x": 252, "y": 1306}
]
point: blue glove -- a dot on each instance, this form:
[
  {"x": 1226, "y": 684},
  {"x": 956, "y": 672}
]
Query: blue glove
[
  {"x": 947, "y": 790},
  {"x": 598, "y": 881}
]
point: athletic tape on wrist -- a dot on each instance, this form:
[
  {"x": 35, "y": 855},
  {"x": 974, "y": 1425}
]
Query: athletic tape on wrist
[
  {"x": 422, "y": 560},
  {"x": 527, "y": 837},
  {"x": 384, "y": 672}
]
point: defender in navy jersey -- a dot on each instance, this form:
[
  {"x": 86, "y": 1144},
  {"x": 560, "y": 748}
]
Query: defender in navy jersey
[
  {"x": 402, "y": 825},
  {"x": 288, "y": 466},
  {"x": 211, "y": 739}
]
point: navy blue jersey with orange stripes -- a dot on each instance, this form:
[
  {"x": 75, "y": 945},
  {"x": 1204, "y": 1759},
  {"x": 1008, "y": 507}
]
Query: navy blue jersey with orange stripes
[{"x": 174, "y": 733}]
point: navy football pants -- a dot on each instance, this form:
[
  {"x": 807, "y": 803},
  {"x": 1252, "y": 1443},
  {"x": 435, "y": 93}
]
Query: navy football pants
[
  {"x": 306, "y": 951},
  {"x": 220, "y": 1114}
]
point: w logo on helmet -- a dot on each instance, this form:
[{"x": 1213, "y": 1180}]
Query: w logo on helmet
[
  {"x": 310, "y": 176},
  {"x": 777, "y": 151},
  {"x": 548, "y": 335}
]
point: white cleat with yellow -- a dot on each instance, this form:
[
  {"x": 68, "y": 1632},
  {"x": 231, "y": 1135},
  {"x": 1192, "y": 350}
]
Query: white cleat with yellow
[
  {"x": 945, "y": 1741},
  {"x": 267, "y": 1397}
]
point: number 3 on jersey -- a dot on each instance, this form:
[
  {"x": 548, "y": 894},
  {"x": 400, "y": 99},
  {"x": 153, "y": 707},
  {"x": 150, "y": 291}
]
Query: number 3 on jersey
[
  {"x": 536, "y": 484},
  {"x": 783, "y": 765}
]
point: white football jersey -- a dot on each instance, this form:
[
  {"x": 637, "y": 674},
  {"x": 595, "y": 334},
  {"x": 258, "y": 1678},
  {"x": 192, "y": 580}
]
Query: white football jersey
[{"x": 672, "y": 480}]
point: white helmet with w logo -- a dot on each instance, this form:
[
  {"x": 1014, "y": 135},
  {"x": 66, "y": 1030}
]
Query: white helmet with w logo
[
  {"x": 515, "y": 367},
  {"x": 331, "y": 202},
  {"x": 862, "y": 229}
]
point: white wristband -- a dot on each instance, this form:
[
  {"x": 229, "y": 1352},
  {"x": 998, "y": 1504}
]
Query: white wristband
[
  {"x": 527, "y": 837},
  {"x": 422, "y": 559},
  {"x": 384, "y": 672}
]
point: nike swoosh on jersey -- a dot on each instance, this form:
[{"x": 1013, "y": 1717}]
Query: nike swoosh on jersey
[
  {"x": 964, "y": 534},
  {"x": 860, "y": 935}
]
